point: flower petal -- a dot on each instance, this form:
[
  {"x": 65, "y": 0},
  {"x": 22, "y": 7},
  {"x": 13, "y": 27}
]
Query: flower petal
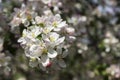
[
  {"x": 59, "y": 50},
  {"x": 57, "y": 17},
  {"x": 62, "y": 24},
  {"x": 52, "y": 53},
  {"x": 45, "y": 60},
  {"x": 42, "y": 67},
  {"x": 65, "y": 53},
  {"x": 35, "y": 51},
  {"x": 62, "y": 63},
  {"x": 53, "y": 36},
  {"x": 60, "y": 40}
]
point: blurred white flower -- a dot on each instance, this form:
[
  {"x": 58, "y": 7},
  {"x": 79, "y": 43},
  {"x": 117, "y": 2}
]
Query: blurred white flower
[
  {"x": 15, "y": 22},
  {"x": 104, "y": 10},
  {"x": 76, "y": 19},
  {"x": 114, "y": 71},
  {"x": 4, "y": 60},
  {"x": 46, "y": 1},
  {"x": 70, "y": 30},
  {"x": 110, "y": 38}
]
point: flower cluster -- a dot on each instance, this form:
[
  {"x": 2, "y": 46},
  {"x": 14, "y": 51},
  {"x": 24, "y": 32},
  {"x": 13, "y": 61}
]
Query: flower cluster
[
  {"x": 114, "y": 71},
  {"x": 109, "y": 40},
  {"x": 56, "y": 4},
  {"x": 42, "y": 41},
  {"x": 23, "y": 15}
]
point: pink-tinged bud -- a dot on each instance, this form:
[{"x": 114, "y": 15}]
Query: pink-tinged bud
[{"x": 49, "y": 64}]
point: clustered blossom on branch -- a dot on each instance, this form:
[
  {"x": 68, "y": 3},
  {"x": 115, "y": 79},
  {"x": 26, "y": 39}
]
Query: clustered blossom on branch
[
  {"x": 41, "y": 39},
  {"x": 93, "y": 39},
  {"x": 23, "y": 15}
]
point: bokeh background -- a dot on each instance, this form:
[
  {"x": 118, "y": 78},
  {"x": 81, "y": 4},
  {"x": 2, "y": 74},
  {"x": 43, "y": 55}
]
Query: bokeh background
[{"x": 94, "y": 47}]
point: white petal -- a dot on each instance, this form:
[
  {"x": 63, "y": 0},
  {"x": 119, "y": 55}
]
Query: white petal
[
  {"x": 26, "y": 23},
  {"x": 42, "y": 67},
  {"x": 36, "y": 31},
  {"x": 33, "y": 47},
  {"x": 62, "y": 24},
  {"x": 57, "y": 29},
  {"x": 38, "y": 19},
  {"x": 60, "y": 40},
  {"x": 27, "y": 52},
  {"x": 22, "y": 40},
  {"x": 25, "y": 32},
  {"x": 46, "y": 1},
  {"x": 65, "y": 53},
  {"x": 59, "y": 50},
  {"x": 47, "y": 29},
  {"x": 57, "y": 17},
  {"x": 52, "y": 53},
  {"x": 45, "y": 60},
  {"x": 54, "y": 36},
  {"x": 35, "y": 50},
  {"x": 61, "y": 63},
  {"x": 45, "y": 38}
]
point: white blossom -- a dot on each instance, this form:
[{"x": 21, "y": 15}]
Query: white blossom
[
  {"x": 23, "y": 15},
  {"x": 41, "y": 39}
]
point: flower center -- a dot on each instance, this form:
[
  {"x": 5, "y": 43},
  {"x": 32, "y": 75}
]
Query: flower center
[
  {"x": 52, "y": 39},
  {"x": 55, "y": 24}
]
